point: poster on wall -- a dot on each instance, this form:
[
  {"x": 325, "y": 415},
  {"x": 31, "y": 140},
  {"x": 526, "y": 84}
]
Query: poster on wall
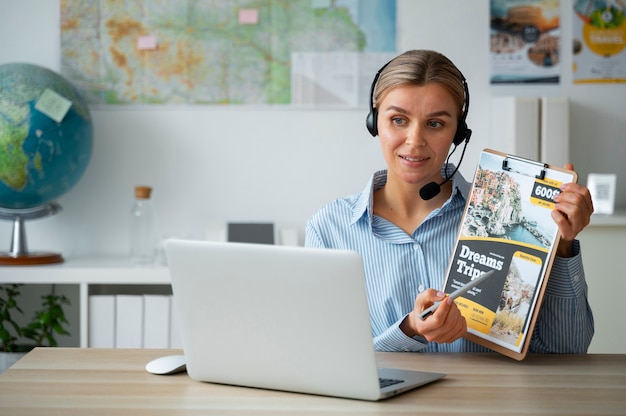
[
  {"x": 599, "y": 33},
  {"x": 525, "y": 41}
]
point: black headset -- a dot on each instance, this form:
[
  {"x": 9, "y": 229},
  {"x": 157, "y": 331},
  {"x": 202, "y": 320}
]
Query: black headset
[{"x": 462, "y": 132}]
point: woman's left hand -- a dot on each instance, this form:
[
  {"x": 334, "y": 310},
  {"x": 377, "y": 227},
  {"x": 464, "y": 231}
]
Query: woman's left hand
[{"x": 571, "y": 213}]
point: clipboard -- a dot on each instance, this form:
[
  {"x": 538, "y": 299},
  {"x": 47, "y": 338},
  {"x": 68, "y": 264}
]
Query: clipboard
[{"x": 506, "y": 227}]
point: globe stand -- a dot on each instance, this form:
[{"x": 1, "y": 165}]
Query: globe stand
[{"x": 19, "y": 255}]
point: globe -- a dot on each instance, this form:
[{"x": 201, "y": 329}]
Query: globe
[
  {"x": 40, "y": 158},
  {"x": 46, "y": 137}
]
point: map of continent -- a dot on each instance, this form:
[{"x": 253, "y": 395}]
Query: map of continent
[
  {"x": 13, "y": 131},
  {"x": 217, "y": 52}
]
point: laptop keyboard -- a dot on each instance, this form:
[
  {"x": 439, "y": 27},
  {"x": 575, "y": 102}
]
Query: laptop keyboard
[{"x": 386, "y": 382}]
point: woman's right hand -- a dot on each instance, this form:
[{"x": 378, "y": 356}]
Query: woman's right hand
[{"x": 445, "y": 325}]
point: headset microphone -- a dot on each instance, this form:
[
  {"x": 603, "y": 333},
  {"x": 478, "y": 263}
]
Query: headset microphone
[{"x": 431, "y": 190}]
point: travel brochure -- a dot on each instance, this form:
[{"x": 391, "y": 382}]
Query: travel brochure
[{"x": 506, "y": 227}]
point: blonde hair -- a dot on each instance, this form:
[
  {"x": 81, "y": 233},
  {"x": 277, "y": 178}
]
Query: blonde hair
[{"x": 421, "y": 67}]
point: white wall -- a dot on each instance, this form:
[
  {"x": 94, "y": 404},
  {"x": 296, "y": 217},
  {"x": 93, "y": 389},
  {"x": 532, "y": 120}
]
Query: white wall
[{"x": 603, "y": 247}]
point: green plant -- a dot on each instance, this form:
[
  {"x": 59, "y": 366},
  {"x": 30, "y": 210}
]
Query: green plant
[{"x": 47, "y": 322}]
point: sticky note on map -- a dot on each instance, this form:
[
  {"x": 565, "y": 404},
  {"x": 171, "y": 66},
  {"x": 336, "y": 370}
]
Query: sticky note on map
[
  {"x": 53, "y": 104},
  {"x": 248, "y": 16},
  {"x": 147, "y": 43}
]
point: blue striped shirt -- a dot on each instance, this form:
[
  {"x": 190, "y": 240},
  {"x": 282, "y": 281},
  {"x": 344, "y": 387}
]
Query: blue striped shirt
[{"x": 399, "y": 266}]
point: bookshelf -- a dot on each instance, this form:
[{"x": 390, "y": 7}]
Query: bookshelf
[{"x": 91, "y": 274}]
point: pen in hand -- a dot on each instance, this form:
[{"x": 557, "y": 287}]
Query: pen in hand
[{"x": 471, "y": 284}]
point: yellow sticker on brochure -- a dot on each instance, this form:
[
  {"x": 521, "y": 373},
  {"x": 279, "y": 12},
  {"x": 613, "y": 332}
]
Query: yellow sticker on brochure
[
  {"x": 477, "y": 316},
  {"x": 528, "y": 258},
  {"x": 544, "y": 191}
]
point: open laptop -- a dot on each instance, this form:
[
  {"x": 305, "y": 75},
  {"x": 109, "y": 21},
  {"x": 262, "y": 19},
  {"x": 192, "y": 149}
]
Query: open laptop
[{"x": 282, "y": 318}]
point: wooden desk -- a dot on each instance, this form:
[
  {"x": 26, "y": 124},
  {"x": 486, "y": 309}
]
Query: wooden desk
[{"x": 72, "y": 381}]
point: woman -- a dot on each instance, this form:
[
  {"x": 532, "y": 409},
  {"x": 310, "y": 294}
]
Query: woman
[{"x": 418, "y": 110}]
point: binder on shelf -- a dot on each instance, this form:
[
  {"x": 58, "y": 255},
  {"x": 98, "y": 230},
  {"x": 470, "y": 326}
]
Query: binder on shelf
[
  {"x": 101, "y": 321},
  {"x": 156, "y": 324},
  {"x": 555, "y": 130},
  {"x": 289, "y": 237},
  {"x": 536, "y": 128},
  {"x": 129, "y": 321},
  {"x": 506, "y": 227},
  {"x": 515, "y": 124}
]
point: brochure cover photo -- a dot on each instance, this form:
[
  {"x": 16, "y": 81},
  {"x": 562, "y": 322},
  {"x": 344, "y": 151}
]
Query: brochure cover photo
[{"x": 507, "y": 227}]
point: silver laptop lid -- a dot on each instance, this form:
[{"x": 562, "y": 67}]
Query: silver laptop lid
[{"x": 275, "y": 317}]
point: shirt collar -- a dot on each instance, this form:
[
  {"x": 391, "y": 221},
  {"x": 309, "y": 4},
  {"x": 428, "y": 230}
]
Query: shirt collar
[{"x": 364, "y": 205}]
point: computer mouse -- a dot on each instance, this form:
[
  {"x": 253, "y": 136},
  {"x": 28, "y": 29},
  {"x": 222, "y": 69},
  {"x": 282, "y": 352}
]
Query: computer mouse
[{"x": 169, "y": 364}]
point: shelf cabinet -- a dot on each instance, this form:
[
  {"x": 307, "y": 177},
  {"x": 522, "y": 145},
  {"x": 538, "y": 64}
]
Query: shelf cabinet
[{"x": 92, "y": 275}]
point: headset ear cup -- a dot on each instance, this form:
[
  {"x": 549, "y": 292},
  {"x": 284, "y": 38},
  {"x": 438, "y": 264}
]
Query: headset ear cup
[
  {"x": 371, "y": 122},
  {"x": 462, "y": 133}
]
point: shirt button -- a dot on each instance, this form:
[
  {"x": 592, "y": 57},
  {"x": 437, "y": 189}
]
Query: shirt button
[
  {"x": 576, "y": 278},
  {"x": 421, "y": 288}
]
